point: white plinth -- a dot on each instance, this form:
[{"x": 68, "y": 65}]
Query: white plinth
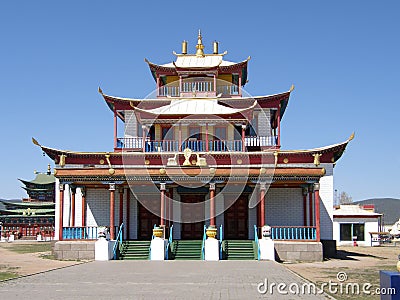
[
  {"x": 211, "y": 249},
  {"x": 103, "y": 249},
  {"x": 267, "y": 249},
  {"x": 11, "y": 238},
  {"x": 158, "y": 248},
  {"x": 39, "y": 237}
]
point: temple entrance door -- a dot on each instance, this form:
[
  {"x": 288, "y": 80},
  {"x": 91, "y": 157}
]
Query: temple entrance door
[
  {"x": 193, "y": 230},
  {"x": 236, "y": 219},
  {"x": 147, "y": 219}
]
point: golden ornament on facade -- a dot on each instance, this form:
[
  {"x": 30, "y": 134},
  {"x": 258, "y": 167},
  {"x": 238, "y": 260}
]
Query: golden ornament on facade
[
  {"x": 239, "y": 161},
  {"x": 212, "y": 170},
  {"x": 55, "y": 172},
  {"x": 101, "y": 161},
  {"x": 162, "y": 171},
  {"x": 146, "y": 162},
  {"x": 317, "y": 159},
  {"x": 111, "y": 171},
  {"x": 158, "y": 232},
  {"x": 263, "y": 170},
  {"x": 285, "y": 160},
  {"x": 211, "y": 232}
]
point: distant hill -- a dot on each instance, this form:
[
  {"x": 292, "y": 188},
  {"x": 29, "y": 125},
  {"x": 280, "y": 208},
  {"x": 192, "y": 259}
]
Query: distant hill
[{"x": 389, "y": 207}]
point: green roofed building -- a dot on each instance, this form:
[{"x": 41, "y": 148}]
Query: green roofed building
[{"x": 35, "y": 214}]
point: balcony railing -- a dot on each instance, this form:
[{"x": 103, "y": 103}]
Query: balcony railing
[
  {"x": 232, "y": 89},
  {"x": 294, "y": 232},
  {"x": 197, "y": 87},
  {"x": 195, "y": 145}
]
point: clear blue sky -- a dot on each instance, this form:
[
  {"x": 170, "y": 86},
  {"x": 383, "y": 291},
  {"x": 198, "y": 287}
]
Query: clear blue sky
[{"x": 342, "y": 56}]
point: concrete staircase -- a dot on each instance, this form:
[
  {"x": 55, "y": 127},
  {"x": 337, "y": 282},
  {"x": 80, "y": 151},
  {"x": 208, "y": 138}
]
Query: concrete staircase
[
  {"x": 186, "y": 249},
  {"x": 239, "y": 249},
  {"x": 135, "y": 250}
]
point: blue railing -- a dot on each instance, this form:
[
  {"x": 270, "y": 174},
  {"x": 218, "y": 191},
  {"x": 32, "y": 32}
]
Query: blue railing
[
  {"x": 119, "y": 240},
  {"x": 220, "y": 241},
  {"x": 256, "y": 242},
  {"x": 293, "y": 233},
  {"x": 203, "y": 244},
  {"x": 169, "y": 243},
  {"x": 80, "y": 233}
]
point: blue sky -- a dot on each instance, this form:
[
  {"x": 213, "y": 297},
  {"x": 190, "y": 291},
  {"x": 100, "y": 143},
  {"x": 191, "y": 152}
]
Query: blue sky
[{"x": 342, "y": 57}]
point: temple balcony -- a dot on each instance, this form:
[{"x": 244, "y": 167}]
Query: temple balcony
[
  {"x": 251, "y": 143},
  {"x": 199, "y": 89}
]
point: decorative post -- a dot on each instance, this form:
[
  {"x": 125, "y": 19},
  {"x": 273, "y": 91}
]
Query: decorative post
[
  {"x": 121, "y": 205},
  {"x": 305, "y": 192},
  {"x": 317, "y": 211},
  {"x": 112, "y": 210},
  {"x": 162, "y": 189},
  {"x": 263, "y": 188},
  {"x": 212, "y": 204},
  {"x": 243, "y": 137},
  {"x": 158, "y": 84},
  {"x": 73, "y": 192},
  {"x": 60, "y": 223},
  {"x": 83, "y": 193},
  {"x": 310, "y": 204}
]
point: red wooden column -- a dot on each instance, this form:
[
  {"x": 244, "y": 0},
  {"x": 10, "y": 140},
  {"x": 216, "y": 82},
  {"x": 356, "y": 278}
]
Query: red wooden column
[
  {"x": 263, "y": 189},
  {"x": 73, "y": 192},
  {"x": 317, "y": 211},
  {"x": 61, "y": 214},
  {"x": 212, "y": 204},
  {"x": 121, "y": 205},
  {"x": 162, "y": 206},
  {"x": 310, "y": 205},
  {"x": 305, "y": 192},
  {"x": 128, "y": 212},
  {"x": 83, "y": 193},
  {"x": 279, "y": 126},
  {"x": 115, "y": 127},
  {"x": 243, "y": 137},
  {"x": 112, "y": 210}
]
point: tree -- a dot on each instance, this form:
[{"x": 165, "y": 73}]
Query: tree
[{"x": 344, "y": 198}]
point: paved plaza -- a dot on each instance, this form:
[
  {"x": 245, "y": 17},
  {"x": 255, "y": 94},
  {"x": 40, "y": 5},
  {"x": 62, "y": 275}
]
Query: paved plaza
[{"x": 156, "y": 280}]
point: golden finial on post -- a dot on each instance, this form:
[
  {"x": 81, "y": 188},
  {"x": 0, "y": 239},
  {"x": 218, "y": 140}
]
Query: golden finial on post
[
  {"x": 48, "y": 169},
  {"x": 199, "y": 45},
  {"x": 184, "y": 47},
  {"x": 215, "y": 47}
]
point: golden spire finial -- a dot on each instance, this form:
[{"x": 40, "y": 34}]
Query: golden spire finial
[
  {"x": 199, "y": 45},
  {"x": 48, "y": 169}
]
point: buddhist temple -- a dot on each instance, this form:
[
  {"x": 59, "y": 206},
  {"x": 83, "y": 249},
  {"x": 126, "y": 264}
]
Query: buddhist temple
[
  {"x": 33, "y": 215},
  {"x": 199, "y": 151}
]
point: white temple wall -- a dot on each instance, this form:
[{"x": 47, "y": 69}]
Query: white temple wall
[
  {"x": 326, "y": 203},
  {"x": 284, "y": 207},
  {"x": 98, "y": 207}
]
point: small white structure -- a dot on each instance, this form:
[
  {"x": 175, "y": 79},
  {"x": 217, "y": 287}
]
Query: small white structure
[
  {"x": 267, "y": 245},
  {"x": 158, "y": 248},
  {"x": 353, "y": 224},
  {"x": 103, "y": 249},
  {"x": 211, "y": 249}
]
